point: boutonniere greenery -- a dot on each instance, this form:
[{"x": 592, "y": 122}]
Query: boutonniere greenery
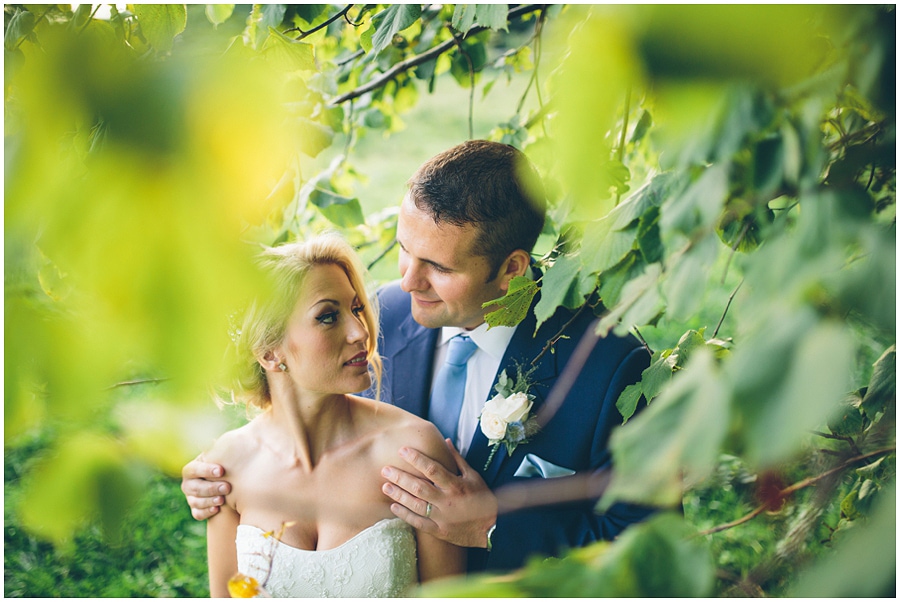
[{"x": 506, "y": 418}]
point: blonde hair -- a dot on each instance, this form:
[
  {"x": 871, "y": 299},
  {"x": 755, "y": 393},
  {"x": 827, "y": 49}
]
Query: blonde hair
[{"x": 265, "y": 321}]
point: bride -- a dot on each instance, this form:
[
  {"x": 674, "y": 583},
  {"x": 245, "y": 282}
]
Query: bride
[{"x": 306, "y": 515}]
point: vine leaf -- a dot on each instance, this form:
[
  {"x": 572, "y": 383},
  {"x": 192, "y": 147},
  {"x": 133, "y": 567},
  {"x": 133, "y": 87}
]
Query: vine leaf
[
  {"x": 513, "y": 306},
  {"x": 160, "y": 23},
  {"x": 463, "y": 17},
  {"x": 675, "y": 441},
  {"x": 883, "y": 385},
  {"x": 288, "y": 53},
  {"x": 341, "y": 210},
  {"x": 494, "y": 16},
  {"x": 391, "y": 21},
  {"x": 219, "y": 13},
  {"x": 562, "y": 286}
]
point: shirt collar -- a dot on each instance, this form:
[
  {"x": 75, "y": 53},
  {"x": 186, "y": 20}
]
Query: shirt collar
[{"x": 493, "y": 341}]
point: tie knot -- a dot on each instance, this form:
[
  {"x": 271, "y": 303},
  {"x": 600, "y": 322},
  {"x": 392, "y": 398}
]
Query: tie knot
[{"x": 461, "y": 349}]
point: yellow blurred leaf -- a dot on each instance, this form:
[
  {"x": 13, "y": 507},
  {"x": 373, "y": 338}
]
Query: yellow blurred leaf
[
  {"x": 85, "y": 475},
  {"x": 242, "y": 586}
]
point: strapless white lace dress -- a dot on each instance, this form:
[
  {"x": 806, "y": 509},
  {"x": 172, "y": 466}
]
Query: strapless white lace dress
[{"x": 378, "y": 562}]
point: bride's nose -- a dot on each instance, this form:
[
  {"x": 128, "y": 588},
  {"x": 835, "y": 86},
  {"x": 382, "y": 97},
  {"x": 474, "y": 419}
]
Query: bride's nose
[{"x": 357, "y": 330}]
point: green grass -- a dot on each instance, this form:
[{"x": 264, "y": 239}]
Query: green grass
[{"x": 161, "y": 553}]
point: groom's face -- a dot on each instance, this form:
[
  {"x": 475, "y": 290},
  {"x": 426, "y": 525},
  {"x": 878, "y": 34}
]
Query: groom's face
[{"x": 447, "y": 281}]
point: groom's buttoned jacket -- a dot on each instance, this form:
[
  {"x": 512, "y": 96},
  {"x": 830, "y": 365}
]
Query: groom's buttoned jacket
[{"x": 575, "y": 439}]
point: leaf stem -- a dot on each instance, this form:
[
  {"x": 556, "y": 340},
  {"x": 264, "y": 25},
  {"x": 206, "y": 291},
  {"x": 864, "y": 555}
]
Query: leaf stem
[{"x": 727, "y": 305}]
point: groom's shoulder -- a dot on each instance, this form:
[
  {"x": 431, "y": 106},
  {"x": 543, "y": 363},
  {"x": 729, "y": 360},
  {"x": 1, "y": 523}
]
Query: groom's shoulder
[
  {"x": 574, "y": 324},
  {"x": 393, "y": 303}
]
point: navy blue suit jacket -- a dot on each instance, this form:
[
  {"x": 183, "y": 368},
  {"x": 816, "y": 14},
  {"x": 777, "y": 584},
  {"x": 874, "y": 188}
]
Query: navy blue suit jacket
[{"x": 575, "y": 438}]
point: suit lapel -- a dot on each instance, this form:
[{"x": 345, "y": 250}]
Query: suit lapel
[
  {"x": 522, "y": 349},
  {"x": 410, "y": 367}
]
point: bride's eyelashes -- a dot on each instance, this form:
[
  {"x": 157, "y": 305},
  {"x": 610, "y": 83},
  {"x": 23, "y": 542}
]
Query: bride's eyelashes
[{"x": 331, "y": 317}]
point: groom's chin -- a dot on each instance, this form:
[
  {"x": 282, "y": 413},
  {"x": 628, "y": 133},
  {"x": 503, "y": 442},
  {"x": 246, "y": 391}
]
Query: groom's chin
[{"x": 429, "y": 317}]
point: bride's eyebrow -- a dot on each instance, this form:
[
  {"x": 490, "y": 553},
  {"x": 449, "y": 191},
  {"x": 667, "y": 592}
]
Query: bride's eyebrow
[{"x": 321, "y": 301}]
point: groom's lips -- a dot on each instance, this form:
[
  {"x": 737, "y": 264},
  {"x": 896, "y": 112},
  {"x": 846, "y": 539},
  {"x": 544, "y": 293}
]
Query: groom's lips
[{"x": 426, "y": 302}]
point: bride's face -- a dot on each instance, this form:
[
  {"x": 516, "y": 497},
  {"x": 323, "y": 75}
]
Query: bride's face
[{"x": 326, "y": 336}]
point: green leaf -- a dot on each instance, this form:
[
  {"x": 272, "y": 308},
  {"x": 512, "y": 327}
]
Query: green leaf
[
  {"x": 463, "y": 17},
  {"x": 788, "y": 380},
  {"x": 91, "y": 468},
  {"x": 648, "y": 238},
  {"x": 20, "y": 27},
  {"x": 219, "y": 13},
  {"x": 642, "y": 127},
  {"x": 560, "y": 286},
  {"x": 658, "y": 374},
  {"x": 847, "y": 421},
  {"x": 343, "y": 211},
  {"x": 870, "y": 552},
  {"x": 287, "y": 53},
  {"x": 639, "y": 304},
  {"x": 628, "y": 400},
  {"x": 160, "y": 23},
  {"x": 391, "y": 21},
  {"x": 608, "y": 239},
  {"x": 313, "y": 137},
  {"x": 675, "y": 441},
  {"x": 493, "y": 16},
  {"x": 513, "y": 306},
  {"x": 882, "y": 388},
  {"x": 698, "y": 207},
  {"x": 613, "y": 280},
  {"x": 685, "y": 284}
]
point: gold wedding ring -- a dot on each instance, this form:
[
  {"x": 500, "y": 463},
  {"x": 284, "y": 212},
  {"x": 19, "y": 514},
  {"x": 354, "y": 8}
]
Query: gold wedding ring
[{"x": 428, "y": 508}]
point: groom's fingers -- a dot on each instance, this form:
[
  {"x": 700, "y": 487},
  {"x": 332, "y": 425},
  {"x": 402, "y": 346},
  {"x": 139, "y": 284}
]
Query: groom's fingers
[
  {"x": 432, "y": 469},
  {"x": 410, "y": 491},
  {"x": 204, "y": 512}
]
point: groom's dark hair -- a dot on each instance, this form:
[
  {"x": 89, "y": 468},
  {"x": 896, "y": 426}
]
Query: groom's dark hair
[{"x": 490, "y": 185}]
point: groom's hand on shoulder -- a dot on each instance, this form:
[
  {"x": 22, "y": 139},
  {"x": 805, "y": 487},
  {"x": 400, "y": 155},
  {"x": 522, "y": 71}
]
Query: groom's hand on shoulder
[
  {"x": 204, "y": 493},
  {"x": 458, "y": 508}
]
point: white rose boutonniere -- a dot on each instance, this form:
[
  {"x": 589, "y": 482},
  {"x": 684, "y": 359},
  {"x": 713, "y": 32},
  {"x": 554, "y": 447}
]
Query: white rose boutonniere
[{"x": 505, "y": 418}]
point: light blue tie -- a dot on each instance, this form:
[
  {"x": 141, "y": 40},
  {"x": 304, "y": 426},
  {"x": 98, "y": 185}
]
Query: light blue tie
[{"x": 450, "y": 387}]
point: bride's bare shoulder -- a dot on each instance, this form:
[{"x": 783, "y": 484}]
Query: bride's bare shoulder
[
  {"x": 234, "y": 446},
  {"x": 399, "y": 428}
]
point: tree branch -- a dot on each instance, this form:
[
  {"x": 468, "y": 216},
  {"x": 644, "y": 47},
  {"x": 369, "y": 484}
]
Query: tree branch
[
  {"x": 137, "y": 381},
  {"x": 787, "y": 491},
  {"x": 322, "y": 25},
  {"x": 414, "y": 61}
]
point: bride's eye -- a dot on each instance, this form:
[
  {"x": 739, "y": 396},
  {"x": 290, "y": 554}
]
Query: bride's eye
[
  {"x": 358, "y": 310},
  {"x": 328, "y": 318}
]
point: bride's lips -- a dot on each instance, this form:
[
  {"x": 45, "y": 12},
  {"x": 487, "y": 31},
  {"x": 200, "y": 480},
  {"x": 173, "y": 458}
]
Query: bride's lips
[{"x": 358, "y": 360}]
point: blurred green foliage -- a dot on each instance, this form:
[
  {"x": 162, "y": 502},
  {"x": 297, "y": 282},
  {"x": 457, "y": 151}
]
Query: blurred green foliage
[{"x": 722, "y": 183}]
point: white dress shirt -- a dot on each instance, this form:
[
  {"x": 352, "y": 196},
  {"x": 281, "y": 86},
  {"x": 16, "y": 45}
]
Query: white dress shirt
[{"x": 480, "y": 372}]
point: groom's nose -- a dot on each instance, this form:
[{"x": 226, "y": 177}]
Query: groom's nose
[{"x": 412, "y": 277}]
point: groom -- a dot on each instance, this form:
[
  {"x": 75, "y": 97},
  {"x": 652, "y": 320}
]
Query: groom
[{"x": 466, "y": 228}]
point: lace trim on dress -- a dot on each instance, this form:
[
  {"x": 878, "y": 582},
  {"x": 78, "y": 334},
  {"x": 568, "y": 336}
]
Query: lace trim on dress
[{"x": 379, "y": 562}]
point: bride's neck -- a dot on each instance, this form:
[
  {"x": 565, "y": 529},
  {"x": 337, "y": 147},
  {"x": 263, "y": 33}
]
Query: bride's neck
[{"x": 315, "y": 424}]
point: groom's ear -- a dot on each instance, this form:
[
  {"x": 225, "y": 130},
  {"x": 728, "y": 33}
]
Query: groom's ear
[{"x": 515, "y": 265}]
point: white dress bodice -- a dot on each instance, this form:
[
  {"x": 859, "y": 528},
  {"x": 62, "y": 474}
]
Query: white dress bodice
[{"x": 378, "y": 562}]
